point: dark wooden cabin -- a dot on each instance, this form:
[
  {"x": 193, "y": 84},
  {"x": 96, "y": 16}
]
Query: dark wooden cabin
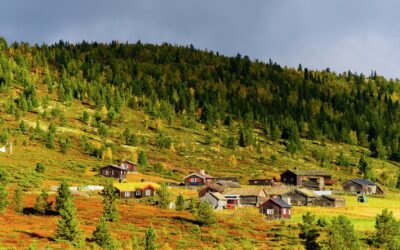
[
  {"x": 275, "y": 208},
  {"x": 312, "y": 179},
  {"x": 114, "y": 171},
  {"x": 361, "y": 186},
  {"x": 301, "y": 197},
  {"x": 330, "y": 201}
]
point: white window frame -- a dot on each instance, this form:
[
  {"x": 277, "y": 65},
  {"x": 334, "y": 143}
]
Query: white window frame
[
  {"x": 283, "y": 210},
  {"x": 270, "y": 211},
  {"x": 138, "y": 192},
  {"x": 194, "y": 180},
  {"x": 148, "y": 192},
  {"x": 127, "y": 194}
]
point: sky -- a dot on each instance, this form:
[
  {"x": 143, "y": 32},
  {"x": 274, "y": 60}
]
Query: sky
[{"x": 356, "y": 35}]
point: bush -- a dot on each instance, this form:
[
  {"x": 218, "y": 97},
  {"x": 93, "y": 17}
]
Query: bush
[{"x": 40, "y": 168}]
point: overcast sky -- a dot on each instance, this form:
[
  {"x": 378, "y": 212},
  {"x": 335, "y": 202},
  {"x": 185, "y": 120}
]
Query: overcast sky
[{"x": 359, "y": 35}]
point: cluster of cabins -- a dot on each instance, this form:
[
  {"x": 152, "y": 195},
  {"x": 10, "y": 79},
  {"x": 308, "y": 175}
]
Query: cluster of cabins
[{"x": 274, "y": 197}]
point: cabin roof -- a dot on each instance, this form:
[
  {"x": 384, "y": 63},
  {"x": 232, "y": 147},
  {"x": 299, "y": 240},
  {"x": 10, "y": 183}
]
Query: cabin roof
[
  {"x": 309, "y": 172},
  {"x": 115, "y": 166},
  {"x": 333, "y": 197},
  {"x": 247, "y": 191},
  {"x": 281, "y": 203},
  {"x": 218, "y": 196},
  {"x": 306, "y": 192},
  {"x": 363, "y": 182},
  {"x": 230, "y": 184},
  {"x": 132, "y": 186}
]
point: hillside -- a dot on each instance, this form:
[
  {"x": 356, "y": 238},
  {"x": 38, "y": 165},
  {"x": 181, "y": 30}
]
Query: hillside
[{"x": 77, "y": 107}]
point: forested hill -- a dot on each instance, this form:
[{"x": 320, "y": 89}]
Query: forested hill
[{"x": 169, "y": 81}]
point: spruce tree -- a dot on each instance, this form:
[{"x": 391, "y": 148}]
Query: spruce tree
[
  {"x": 143, "y": 159},
  {"x": 365, "y": 168},
  {"x": 110, "y": 212},
  {"x": 342, "y": 235},
  {"x": 387, "y": 231},
  {"x": 163, "y": 195},
  {"x": 150, "y": 241},
  {"x": 42, "y": 205},
  {"x": 180, "y": 203},
  {"x": 205, "y": 214},
  {"x": 18, "y": 205},
  {"x": 102, "y": 235},
  {"x": 64, "y": 194},
  {"x": 309, "y": 232},
  {"x": 68, "y": 225}
]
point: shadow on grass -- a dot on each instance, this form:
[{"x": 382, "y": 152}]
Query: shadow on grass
[
  {"x": 35, "y": 235},
  {"x": 32, "y": 211},
  {"x": 182, "y": 219}
]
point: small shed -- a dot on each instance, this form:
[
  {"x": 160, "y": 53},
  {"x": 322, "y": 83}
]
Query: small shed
[
  {"x": 275, "y": 208},
  {"x": 301, "y": 197},
  {"x": 114, "y": 171},
  {"x": 130, "y": 166},
  {"x": 136, "y": 190},
  {"x": 217, "y": 200},
  {"x": 330, "y": 201}
]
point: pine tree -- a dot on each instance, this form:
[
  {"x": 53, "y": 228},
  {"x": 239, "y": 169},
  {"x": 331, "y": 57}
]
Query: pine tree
[
  {"x": 85, "y": 117},
  {"x": 64, "y": 194},
  {"x": 341, "y": 235},
  {"x": 143, "y": 159},
  {"x": 50, "y": 140},
  {"x": 110, "y": 212},
  {"x": 163, "y": 195},
  {"x": 42, "y": 205},
  {"x": 309, "y": 232},
  {"x": 365, "y": 168},
  {"x": 205, "y": 214},
  {"x": 102, "y": 235},
  {"x": 68, "y": 225},
  {"x": 150, "y": 241},
  {"x": 18, "y": 206},
  {"x": 387, "y": 231},
  {"x": 180, "y": 203}
]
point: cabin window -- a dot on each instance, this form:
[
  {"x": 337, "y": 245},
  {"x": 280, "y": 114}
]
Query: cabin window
[
  {"x": 148, "y": 192},
  {"x": 284, "y": 178},
  {"x": 270, "y": 211},
  {"x": 288, "y": 211},
  {"x": 193, "y": 179},
  {"x": 106, "y": 172},
  {"x": 284, "y": 211},
  {"x": 127, "y": 194},
  {"x": 111, "y": 172},
  {"x": 138, "y": 192}
]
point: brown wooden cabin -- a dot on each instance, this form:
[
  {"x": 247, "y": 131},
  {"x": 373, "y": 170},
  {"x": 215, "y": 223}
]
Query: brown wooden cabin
[
  {"x": 114, "y": 171},
  {"x": 330, "y": 201},
  {"x": 361, "y": 186},
  {"x": 135, "y": 190},
  {"x": 312, "y": 179},
  {"x": 130, "y": 166},
  {"x": 275, "y": 208},
  {"x": 198, "y": 179},
  {"x": 301, "y": 197},
  {"x": 211, "y": 188}
]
